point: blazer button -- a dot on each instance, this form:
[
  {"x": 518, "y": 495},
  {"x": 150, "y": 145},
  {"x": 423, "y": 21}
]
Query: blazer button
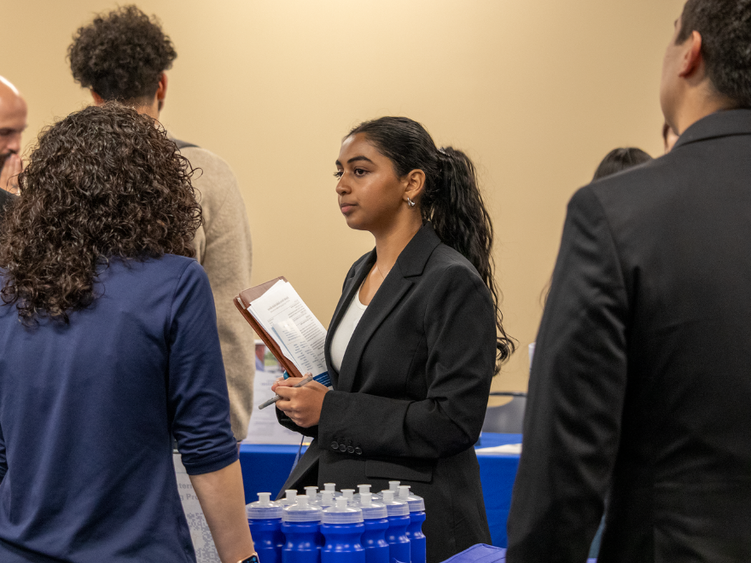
[
  {"x": 350, "y": 450},
  {"x": 342, "y": 448},
  {"x": 358, "y": 451},
  {"x": 334, "y": 445}
]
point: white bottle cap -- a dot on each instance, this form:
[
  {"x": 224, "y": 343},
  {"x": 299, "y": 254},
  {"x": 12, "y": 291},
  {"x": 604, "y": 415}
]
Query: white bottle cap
[
  {"x": 394, "y": 507},
  {"x": 341, "y": 513},
  {"x": 301, "y": 511},
  {"x": 416, "y": 504},
  {"x": 372, "y": 510},
  {"x": 311, "y": 492},
  {"x": 263, "y": 509}
]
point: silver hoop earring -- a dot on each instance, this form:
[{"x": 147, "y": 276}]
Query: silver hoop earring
[{"x": 410, "y": 202}]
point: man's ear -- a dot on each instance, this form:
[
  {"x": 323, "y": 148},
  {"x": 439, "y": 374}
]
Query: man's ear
[
  {"x": 692, "y": 57},
  {"x": 161, "y": 91},
  {"x": 414, "y": 184},
  {"x": 98, "y": 100}
]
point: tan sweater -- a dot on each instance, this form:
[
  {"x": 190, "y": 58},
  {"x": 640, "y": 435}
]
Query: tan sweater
[{"x": 223, "y": 248}]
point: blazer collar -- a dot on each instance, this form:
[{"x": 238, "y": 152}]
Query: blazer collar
[
  {"x": 718, "y": 124},
  {"x": 411, "y": 263}
]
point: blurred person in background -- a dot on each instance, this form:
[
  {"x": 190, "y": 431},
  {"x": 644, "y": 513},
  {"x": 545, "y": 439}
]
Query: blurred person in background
[
  {"x": 619, "y": 160},
  {"x": 13, "y": 114},
  {"x": 108, "y": 349},
  {"x": 123, "y": 55}
]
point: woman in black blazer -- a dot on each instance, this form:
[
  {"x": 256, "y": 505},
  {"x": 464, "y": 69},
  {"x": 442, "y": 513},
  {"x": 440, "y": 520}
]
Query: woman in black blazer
[{"x": 415, "y": 339}]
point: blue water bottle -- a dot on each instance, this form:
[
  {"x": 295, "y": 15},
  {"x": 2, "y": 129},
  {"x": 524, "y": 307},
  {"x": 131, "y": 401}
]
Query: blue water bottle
[
  {"x": 375, "y": 518},
  {"x": 416, "y": 518},
  {"x": 300, "y": 524},
  {"x": 326, "y": 500},
  {"x": 342, "y": 528},
  {"x": 265, "y": 521},
  {"x": 396, "y": 534},
  {"x": 349, "y": 494},
  {"x": 331, "y": 487},
  {"x": 365, "y": 491},
  {"x": 312, "y": 494},
  {"x": 290, "y": 498}
]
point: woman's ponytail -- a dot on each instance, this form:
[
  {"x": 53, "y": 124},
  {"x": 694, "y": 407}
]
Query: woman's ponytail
[
  {"x": 451, "y": 198},
  {"x": 455, "y": 207}
]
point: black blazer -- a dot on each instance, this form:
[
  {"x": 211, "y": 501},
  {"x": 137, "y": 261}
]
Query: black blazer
[
  {"x": 642, "y": 370},
  {"x": 409, "y": 401}
]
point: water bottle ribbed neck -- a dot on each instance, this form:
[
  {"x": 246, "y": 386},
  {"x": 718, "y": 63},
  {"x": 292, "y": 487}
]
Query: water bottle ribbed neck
[
  {"x": 394, "y": 507},
  {"x": 416, "y": 503},
  {"x": 264, "y": 508},
  {"x": 342, "y": 513},
  {"x": 301, "y": 512}
]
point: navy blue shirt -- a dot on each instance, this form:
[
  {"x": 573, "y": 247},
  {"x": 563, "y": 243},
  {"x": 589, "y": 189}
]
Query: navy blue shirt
[{"x": 87, "y": 411}]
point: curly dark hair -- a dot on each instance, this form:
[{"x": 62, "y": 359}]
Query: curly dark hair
[
  {"x": 104, "y": 183},
  {"x": 121, "y": 55},
  {"x": 725, "y": 29},
  {"x": 451, "y": 199}
]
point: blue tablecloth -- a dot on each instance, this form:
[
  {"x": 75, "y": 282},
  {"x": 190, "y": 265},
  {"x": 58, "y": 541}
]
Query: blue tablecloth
[{"x": 265, "y": 469}]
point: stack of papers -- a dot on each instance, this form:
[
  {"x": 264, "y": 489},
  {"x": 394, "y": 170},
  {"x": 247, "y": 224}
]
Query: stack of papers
[{"x": 286, "y": 318}]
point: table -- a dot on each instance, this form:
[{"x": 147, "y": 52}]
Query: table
[{"x": 265, "y": 469}]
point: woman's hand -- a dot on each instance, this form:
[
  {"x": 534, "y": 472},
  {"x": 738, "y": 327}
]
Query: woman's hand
[{"x": 301, "y": 404}]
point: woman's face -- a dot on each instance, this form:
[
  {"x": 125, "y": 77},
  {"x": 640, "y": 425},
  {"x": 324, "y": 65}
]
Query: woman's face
[{"x": 371, "y": 197}]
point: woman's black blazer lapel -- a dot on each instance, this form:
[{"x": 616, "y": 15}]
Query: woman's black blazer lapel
[
  {"x": 405, "y": 273},
  {"x": 351, "y": 285}
]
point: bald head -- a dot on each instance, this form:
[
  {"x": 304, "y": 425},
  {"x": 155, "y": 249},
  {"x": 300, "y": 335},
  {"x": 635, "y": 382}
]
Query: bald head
[
  {"x": 12, "y": 118},
  {"x": 12, "y": 124}
]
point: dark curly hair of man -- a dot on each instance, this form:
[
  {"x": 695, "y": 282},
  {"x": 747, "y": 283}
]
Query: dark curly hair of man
[
  {"x": 121, "y": 55},
  {"x": 105, "y": 183},
  {"x": 725, "y": 29}
]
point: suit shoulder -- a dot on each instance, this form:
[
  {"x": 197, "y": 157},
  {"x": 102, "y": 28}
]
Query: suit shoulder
[
  {"x": 448, "y": 268},
  {"x": 445, "y": 258}
]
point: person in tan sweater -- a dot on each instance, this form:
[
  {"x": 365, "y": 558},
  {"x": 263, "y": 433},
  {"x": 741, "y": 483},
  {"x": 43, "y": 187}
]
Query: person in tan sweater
[{"x": 122, "y": 56}]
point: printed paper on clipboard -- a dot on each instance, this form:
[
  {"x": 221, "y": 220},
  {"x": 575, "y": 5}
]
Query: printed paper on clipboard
[{"x": 287, "y": 326}]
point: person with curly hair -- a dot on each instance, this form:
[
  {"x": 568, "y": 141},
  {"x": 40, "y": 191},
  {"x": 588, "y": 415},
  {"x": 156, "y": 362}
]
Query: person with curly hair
[
  {"x": 115, "y": 353},
  {"x": 123, "y": 55}
]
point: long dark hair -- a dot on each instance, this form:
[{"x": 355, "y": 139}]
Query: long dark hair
[
  {"x": 451, "y": 198},
  {"x": 103, "y": 183}
]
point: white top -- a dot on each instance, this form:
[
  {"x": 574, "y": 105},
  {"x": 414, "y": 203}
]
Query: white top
[{"x": 344, "y": 331}]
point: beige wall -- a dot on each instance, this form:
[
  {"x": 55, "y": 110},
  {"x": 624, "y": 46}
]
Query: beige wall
[{"x": 536, "y": 91}]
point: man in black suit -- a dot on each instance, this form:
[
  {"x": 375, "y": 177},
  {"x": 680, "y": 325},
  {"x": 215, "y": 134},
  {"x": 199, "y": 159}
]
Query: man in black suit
[{"x": 641, "y": 382}]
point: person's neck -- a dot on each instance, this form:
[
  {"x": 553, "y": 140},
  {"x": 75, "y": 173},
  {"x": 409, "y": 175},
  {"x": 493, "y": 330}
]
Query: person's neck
[
  {"x": 150, "y": 110},
  {"x": 389, "y": 245},
  {"x": 698, "y": 105}
]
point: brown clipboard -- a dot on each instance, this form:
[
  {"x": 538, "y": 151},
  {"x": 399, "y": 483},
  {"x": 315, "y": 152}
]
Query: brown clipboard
[{"x": 243, "y": 301}]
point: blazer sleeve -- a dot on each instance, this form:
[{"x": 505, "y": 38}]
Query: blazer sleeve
[
  {"x": 576, "y": 395},
  {"x": 460, "y": 337}
]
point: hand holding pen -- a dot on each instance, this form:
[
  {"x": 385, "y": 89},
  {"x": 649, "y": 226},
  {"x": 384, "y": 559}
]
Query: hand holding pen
[
  {"x": 300, "y": 399},
  {"x": 305, "y": 380}
]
